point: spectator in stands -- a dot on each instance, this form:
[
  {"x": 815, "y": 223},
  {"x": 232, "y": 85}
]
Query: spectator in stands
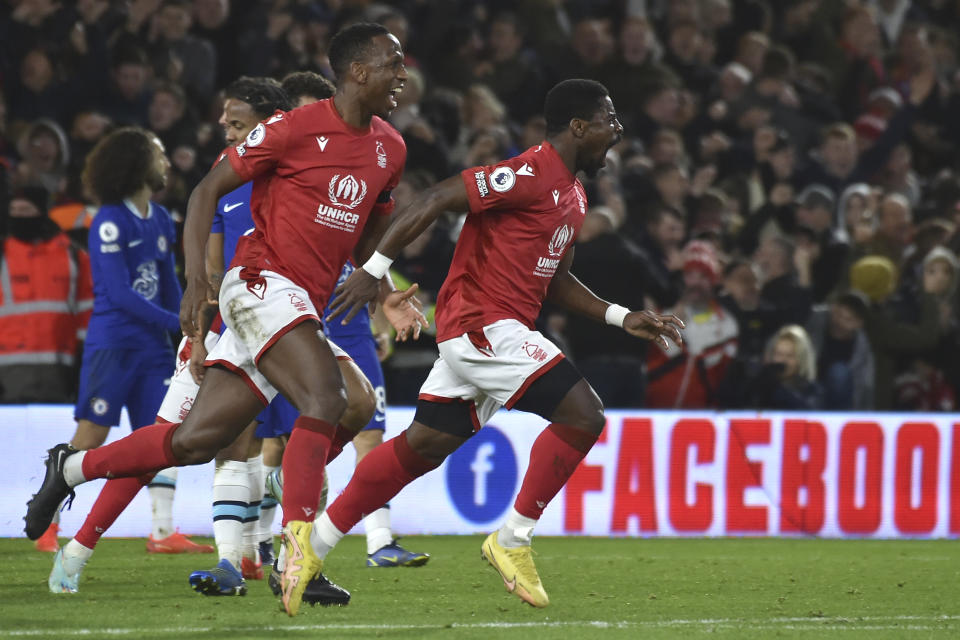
[
  {"x": 45, "y": 302},
  {"x": 789, "y": 381},
  {"x": 757, "y": 319},
  {"x": 890, "y": 337},
  {"x": 785, "y": 278},
  {"x": 844, "y": 358},
  {"x": 856, "y": 219},
  {"x": 45, "y": 155},
  {"x": 181, "y": 57},
  {"x": 894, "y": 228},
  {"x": 167, "y": 116},
  {"x": 128, "y": 99},
  {"x": 512, "y": 72},
  {"x": 827, "y": 253},
  {"x": 629, "y": 74},
  {"x": 661, "y": 237},
  {"x": 688, "y": 376}
]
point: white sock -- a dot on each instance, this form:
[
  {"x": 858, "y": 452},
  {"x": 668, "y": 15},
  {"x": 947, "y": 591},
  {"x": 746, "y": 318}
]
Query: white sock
[
  {"x": 324, "y": 536},
  {"x": 161, "y": 490},
  {"x": 517, "y": 531},
  {"x": 377, "y": 526},
  {"x": 73, "y": 469},
  {"x": 268, "y": 509},
  {"x": 230, "y": 493},
  {"x": 75, "y": 556},
  {"x": 251, "y": 522}
]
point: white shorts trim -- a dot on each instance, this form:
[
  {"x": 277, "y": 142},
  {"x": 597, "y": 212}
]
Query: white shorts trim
[
  {"x": 492, "y": 368},
  {"x": 183, "y": 390}
]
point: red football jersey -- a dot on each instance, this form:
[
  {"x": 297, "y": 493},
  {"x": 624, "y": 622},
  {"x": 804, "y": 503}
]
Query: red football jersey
[
  {"x": 525, "y": 213},
  {"x": 325, "y": 178}
]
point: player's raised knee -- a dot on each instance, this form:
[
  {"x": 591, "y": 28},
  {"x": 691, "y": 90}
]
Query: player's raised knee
[
  {"x": 194, "y": 447},
  {"x": 328, "y": 404}
]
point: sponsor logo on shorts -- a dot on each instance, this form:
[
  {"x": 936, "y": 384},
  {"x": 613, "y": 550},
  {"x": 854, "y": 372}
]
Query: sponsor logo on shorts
[
  {"x": 298, "y": 303},
  {"x": 256, "y": 284},
  {"x": 534, "y": 351},
  {"x": 481, "y": 179},
  {"x": 185, "y": 408},
  {"x": 99, "y": 406}
]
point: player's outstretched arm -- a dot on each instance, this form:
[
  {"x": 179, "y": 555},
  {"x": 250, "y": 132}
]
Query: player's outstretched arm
[
  {"x": 221, "y": 180},
  {"x": 567, "y": 291},
  {"x": 363, "y": 285}
]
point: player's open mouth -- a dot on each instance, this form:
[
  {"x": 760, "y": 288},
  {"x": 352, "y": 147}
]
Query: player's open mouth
[{"x": 393, "y": 96}]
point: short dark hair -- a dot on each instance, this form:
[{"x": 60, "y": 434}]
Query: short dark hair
[
  {"x": 352, "y": 44},
  {"x": 855, "y": 301},
  {"x": 173, "y": 89},
  {"x": 576, "y": 98},
  {"x": 118, "y": 165},
  {"x": 264, "y": 95},
  {"x": 307, "y": 83}
]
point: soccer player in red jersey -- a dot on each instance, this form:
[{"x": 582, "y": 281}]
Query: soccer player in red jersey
[
  {"x": 331, "y": 166},
  {"x": 514, "y": 252}
]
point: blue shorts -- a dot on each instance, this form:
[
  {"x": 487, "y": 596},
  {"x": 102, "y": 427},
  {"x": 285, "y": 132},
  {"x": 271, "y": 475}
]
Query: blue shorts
[
  {"x": 113, "y": 378},
  {"x": 277, "y": 419}
]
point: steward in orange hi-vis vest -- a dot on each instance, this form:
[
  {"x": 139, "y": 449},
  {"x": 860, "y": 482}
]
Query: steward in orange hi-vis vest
[{"x": 46, "y": 295}]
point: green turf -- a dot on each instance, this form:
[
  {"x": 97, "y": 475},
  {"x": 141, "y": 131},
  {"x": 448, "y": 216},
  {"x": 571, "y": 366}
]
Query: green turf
[{"x": 624, "y": 588}]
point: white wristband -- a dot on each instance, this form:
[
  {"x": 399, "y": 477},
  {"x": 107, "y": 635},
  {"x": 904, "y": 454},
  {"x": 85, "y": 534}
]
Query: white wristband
[
  {"x": 377, "y": 265},
  {"x": 615, "y": 315}
]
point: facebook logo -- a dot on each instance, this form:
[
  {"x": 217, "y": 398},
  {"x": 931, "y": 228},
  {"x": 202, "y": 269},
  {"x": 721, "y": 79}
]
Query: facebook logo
[{"x": 482, "y": 476}]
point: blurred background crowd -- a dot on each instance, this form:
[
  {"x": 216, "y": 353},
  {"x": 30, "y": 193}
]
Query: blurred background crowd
[{"x": 788, "y": 182}]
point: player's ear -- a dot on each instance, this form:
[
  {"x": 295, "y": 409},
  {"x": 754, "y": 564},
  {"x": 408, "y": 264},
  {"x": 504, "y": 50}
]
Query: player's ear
[
  {"x": 577, "y": 127},
  {"x": 359, "y": 72}
]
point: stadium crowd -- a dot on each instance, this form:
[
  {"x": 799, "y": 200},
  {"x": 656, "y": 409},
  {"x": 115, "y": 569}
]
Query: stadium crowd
[{"x": 788, "y": 182}]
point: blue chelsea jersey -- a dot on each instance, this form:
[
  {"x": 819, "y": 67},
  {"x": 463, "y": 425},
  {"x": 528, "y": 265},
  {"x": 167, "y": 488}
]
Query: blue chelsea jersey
[
  {"x": 135, "y": 287},
  {"x": 359, "y": 326},
  {"x": 233, "y": 219}
]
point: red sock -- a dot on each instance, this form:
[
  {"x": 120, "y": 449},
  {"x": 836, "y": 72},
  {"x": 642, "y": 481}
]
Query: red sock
[
  {"x": 340, "y": 440},
  {"x": 553, "y": 458},
  {"x": 378, "y": 478},
  {"x": 113, "y": 499},
  {"x": 303, "y": 465},
  {"x": 144, "y": 451}
]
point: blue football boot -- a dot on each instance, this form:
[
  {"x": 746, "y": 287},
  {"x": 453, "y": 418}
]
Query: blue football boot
[
  {"x": 393, "y": 555},
  {"x": 222, "y": 580}
]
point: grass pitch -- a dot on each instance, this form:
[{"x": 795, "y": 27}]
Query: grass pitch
[{"x": 622, "y": 588}]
